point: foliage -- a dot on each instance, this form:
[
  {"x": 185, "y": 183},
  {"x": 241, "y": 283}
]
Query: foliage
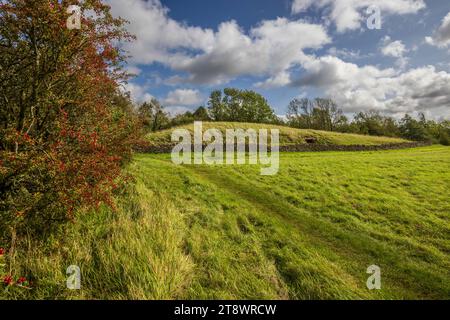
[
  {"x": 152, "y": 116},
  {"x": 182, "y": 118},
  {"x": 8, "y": 281},
  {"x": 324, "y": 114},
  {"x": 413, "y": 129},
  {"x": 65, "y": 128},
  {"x": 320, "y": 114},
  {"x": 240, "y": 106},
  {"x": 201, "y": 114}
]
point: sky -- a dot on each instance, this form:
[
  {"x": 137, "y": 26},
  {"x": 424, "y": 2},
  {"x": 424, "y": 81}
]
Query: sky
[{"x": 392, "y": 56}]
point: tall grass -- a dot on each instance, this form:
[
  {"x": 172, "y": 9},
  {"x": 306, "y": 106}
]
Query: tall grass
[
  {"x": 225, "y": 232},
  {"x": 134, "y": 252}
]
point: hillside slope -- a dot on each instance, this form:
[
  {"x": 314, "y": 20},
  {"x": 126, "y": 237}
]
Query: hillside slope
[{"x": 288, "y": 136}]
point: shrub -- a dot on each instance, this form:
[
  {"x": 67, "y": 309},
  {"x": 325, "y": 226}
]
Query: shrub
[
  {"x": 444, "y": 138},
  {"x": 66, "y": 129}
]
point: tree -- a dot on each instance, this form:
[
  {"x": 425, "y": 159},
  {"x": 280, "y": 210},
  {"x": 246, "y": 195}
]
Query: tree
[
  {"x": 65, "y": 128},
  {"x": 444, "y": 133},
  {"x": 145, "y": 113},
  {"x": 391, "y": 128},
  {"x": 327, "y": 115},
  {"x": 217, "y": 108},
  {"x": 201, "y": 114},
  {"x": 324, "y": 114},
  {"x": 320, "y": 114},
  {"x": 300, "y": 113},
  {"x": 370, "y": 122},
  {"x": 152, "y": 116},
  {"x": 412, "y": 129},
  {"x": 240, "y": 106},
  {"x": 181, "y": 119}
]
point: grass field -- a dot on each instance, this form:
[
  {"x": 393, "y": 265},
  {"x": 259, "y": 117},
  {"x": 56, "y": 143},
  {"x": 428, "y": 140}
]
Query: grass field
[
  {"x": 287, "y": 135},
  {"x": 310, "y": 232}
]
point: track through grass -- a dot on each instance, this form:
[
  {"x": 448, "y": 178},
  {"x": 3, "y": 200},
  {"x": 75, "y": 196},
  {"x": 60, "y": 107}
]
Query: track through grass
[{"x": 226, "y": 232}]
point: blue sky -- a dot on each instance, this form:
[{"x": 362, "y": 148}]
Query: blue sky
[{"x": 291, "y": 48}]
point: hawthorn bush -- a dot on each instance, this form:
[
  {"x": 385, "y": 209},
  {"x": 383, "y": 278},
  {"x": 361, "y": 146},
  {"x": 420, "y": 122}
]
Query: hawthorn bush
[{"x": 65, "y": 127}]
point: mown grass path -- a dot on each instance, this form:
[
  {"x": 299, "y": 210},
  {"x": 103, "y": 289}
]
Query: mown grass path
[{"x": 321, "y": 222}]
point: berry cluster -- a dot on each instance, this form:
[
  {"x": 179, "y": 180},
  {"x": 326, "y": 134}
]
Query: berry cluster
[{"x": 8, "y": 280}]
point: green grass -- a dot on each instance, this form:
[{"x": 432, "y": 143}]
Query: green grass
[
  {"x": 288, "y": 135},
  {"x": 226, "y": 232}
]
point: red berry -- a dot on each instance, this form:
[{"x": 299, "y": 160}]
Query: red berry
[
  {"x": 21, "y": 280},
  {"x": 8, "y": 280},
  {"x": 2, "y": 251}
]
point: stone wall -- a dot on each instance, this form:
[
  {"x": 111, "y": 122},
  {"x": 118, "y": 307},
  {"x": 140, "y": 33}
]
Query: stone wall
[
  {"x": 322, "y": 147},
  {"x": 304, "y": 147}
]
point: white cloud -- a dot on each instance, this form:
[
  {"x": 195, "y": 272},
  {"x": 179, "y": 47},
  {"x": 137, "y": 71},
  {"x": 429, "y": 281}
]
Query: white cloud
[
  {"x": 441, "y": 36},
  {"x": 347, "y": 54},
  {"x": 279, "y": 80},
  {"x": 174, "y": 111},
  {"x": 214, "y": 57},
  {"x": 157, "y": 34},
  {"x": 347, "y": 14},
  {"x": 137, "y": 92},
  {"x": 133, "y": 70},
  {"x": 183, "y": 97},
  {"x": 369, "y": 88},
  {"x": 270, "y": 49},
  {"x": 395, "y": 49},
  {"x": 301, "y": 5}
]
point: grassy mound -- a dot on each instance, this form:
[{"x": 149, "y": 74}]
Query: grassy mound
[
  {"x": 310, "y": 232},
  {"x": 288, "y": 136}
]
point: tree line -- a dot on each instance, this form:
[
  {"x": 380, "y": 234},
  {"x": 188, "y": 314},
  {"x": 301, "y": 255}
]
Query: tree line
[
  {"x": 231, "y": 105},
  {"x": 319, "y": 114},
  {"x": 324, "y": 114}
]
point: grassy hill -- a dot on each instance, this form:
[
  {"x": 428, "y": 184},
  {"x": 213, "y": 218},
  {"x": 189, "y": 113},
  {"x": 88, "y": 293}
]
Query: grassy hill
[
  {"x": 287, "y": 135},
  {"x": 310, "y": 232}
]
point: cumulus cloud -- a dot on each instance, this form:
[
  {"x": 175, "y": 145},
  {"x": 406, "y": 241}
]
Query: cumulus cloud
[
  {"x": 157, "y": 34},
  {"x": 347, "y": 14},
  {"x": 174, "y": 111},
  {"x": 279, "y": 80},
  {"x": 395, "y": 49},
  {"x": 183, "y": 97},
  {"x": 301, "y": 5},
  {"x": 347, "y": 54},
  {"x": 133, "y": 70},
  {"x": 270, "y": 49},
  {"x": 386, "y": 90},
  {"x": 441, "y": 36},
  {"x": 138, "y": 93},
  {"x": 215, "y": 57}
]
